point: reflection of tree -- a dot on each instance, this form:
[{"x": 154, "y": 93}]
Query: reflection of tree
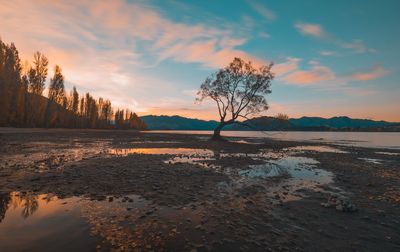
[
  {"x": 4, "y": 201},
  {"x": 29, "y": 203}
]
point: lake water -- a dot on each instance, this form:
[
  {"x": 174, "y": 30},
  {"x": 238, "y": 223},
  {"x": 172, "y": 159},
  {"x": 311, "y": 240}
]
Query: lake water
[{"x": 361, "y": 139}]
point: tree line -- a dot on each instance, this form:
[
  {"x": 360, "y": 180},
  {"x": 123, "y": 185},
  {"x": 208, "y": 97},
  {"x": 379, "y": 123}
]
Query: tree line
[{"x": 22, "y": 103}]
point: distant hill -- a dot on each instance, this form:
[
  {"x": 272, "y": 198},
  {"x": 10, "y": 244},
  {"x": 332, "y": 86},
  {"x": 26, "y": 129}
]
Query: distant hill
[
  {"x": 177, "y": 123},
  {"x": 341, "y": 123}
]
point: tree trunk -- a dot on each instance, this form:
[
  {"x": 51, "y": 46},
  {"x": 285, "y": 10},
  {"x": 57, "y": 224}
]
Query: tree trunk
[{"x": 217, "y": 132}]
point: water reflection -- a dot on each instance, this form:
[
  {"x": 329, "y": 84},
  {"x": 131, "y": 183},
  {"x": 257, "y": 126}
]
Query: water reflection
[
  {"x": 372, "y": 160},
  {"x": 32, "y": 222},
  {"x": 316, "y": 148},
  {"x": 295, "y": 167},
  {"x": 161, "y": 151},
  {"x": 27, "y": 202},
  {"x": 388, "y": 153},
  {"x": 4, "y": 201}
]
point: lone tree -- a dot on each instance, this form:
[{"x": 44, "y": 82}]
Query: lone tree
[{"x": 239, "y": 91}]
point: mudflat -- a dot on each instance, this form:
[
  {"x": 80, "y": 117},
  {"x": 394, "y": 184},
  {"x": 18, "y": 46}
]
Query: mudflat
[{"x": 138, "y": 191}]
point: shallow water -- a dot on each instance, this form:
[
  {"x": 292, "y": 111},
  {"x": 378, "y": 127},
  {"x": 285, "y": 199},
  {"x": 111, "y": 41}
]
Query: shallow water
[
  {"x": 30, "y": 222},
  {"x": 295, "y": 167},
  {"x": 160, "y": 151},
  {"x": 275, "y": 164},
  {"x": 360, "y": 139},
  {"x": 388, "y": 153},
  {"x": 372, "y": 160},
  {"x": 319, "y": 148}
]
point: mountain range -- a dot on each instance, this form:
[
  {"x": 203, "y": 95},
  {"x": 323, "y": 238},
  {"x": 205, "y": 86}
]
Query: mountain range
[{"x": 264, "y": 123}]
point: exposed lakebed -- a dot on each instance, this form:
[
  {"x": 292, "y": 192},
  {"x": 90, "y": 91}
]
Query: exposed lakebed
[{"x": 131, "y": 191}]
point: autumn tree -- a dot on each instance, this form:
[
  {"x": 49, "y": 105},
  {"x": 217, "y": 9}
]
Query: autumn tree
[
  {"x": 239, "y": 90},
  {"x": 38, "y": 74},
  {"x": 22, "y": 102},
  {"x": 56, "y": 89},
  {"x": 11, "y": 93},
  {"x": 75, "y": 101}
]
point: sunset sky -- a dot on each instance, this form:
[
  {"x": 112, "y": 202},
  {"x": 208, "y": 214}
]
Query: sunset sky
[{"x": 331, "y": 57}]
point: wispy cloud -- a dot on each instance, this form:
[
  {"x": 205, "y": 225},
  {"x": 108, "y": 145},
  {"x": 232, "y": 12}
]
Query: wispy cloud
[
  {"x": 317, "y": 31},
  {"x": 313, "y": 30},
  {"x": 373, "y": 73},
  {"x": 103, "y": 45},
  {"x": 357, "y": 45},
  {"x": 262, "y": 9},
  {"x": 322, "y": 76},
  {"x": 328, "y": 53}
]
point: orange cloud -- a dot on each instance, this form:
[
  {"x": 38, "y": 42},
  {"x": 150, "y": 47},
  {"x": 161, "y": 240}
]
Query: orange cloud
[
  {"x": 317, "y": 74},
  {"x": 374, "y": 73},
  {"x": 290, "y": 65}
]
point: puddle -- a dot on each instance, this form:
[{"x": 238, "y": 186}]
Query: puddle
[
  {"x": 297, "y": 172},
  {"x": 372, "y": 160},
  {"x": 248, "y": 141},
  {"x": 301, "y": 168},
  {"x": 313, "y": 148},
  {"x": 388, "y": 153},
  {"x": 154, "y": 142},
  {"x": 203, "y": 161},
  {"x": 161, "y": 151},
  {"x": 42, "y": 158},
  {"x": 31, "y": 222}
]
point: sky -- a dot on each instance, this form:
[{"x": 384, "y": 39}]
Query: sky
[{"x": 331, "y": 58}]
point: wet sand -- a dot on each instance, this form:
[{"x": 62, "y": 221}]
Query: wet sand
[{"x": 132, "y": 191}]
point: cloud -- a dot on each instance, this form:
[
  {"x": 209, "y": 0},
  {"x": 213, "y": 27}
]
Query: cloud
[
  {"x": 374, "y": 73},
  {"x": 317, "y": 74},
  {"x": 313, "y": 30},
  {"x": 317, "y": 31},
  {"x": 290, "y": 65},
  {"x": 358, "y": 46},
  {"x": 262, "y": 10},
  {"x": 323, "y": 76},
  {"x": 104, "y": 46},
  {"x": 328, "y": 53}
]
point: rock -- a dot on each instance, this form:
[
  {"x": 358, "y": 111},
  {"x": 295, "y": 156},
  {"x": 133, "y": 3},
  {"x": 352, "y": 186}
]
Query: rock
[
  {"x": 339, "y": 207},
  {"x": 326, "y": 205},
  {"x": 341, "y": 203}
]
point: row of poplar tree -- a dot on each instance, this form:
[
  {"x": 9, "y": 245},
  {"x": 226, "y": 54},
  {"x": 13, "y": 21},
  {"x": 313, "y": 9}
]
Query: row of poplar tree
[{"x": 22, "y": 103}]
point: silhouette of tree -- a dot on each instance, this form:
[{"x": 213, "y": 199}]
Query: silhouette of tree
[
  {"x": 4, "y": 203},
  {"x": 56, "y": 89},
  {"x": 282, "y": 117},
  {"x": 10, "y": 84},
  {"x": 239, "y": 91},
  {"x": 38, "y": 74},
  {"x": 75, "y": 101}
]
